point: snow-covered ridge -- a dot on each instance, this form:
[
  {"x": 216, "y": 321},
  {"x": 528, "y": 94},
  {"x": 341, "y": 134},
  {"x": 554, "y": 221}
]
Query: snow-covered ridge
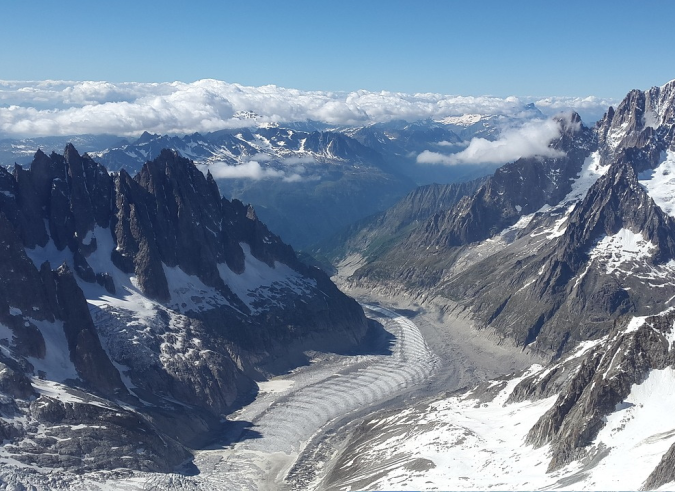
[
  {"x": 623, "y": 247},
  {"x": 660, "y": 183},
  {"x": 479, "y": 439},
  {"x": 591, "y": 171},
  {"x": 463, "y": 120}
]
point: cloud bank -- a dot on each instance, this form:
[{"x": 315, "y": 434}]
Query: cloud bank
[
  {"x": 49, "y": 108},
  {"x": 289, "y": 170},
  {"x": 529, "y": 140}
]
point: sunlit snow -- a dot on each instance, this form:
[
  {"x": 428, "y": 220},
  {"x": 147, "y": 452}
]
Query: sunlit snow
[
  {"x": 591, "y": 170},
  {"x": 259, "y": 279},
  {"x": 623, "y": 247},
  {"x": 637, "y": 434},
  {"x": 660, "y": 183}
]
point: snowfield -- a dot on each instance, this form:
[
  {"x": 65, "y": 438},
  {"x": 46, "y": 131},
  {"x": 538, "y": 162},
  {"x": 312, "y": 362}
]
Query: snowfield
[
  {"x": 458, "y": 443},
  {"x": 465, "y": 443},
  {"x": 660, "y": 183}
]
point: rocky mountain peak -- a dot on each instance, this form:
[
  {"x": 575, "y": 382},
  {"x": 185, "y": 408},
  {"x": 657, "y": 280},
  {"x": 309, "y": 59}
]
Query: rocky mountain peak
[
  {"x": 150, "y": 290},
  {"x": 518, "y": 188},
  {"x": 643, "y": 118},
  {"x": 615, "y": 202}
]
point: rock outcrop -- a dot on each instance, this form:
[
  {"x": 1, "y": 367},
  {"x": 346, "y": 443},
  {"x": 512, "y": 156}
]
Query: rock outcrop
[
  {"x": 140, "y": 309},
  {"x": 548, "y": 252}
]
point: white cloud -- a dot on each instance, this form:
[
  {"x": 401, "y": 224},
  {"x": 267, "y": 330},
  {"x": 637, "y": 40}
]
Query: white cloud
[
  {"x": 127, "y": 109},
  {"x": 445, "y": 143},
  {"x": 290, "y": 161},
  {"x": 590, "y": 108},
  {"x": 253, "y": 170},
  {"x": 529, "y": 140},
  {"x": 261, "y": 157}
]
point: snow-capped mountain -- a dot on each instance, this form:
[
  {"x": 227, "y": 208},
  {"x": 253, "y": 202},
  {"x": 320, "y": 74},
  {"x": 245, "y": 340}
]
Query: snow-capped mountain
[
  {"x": 304, "y": 185},
  {"x": 306, "y": 180},
  {"x": 136, "y": 312},
  {"x": 571, "y": 258},
  {"x": 489, "y": 126},
  {"x": 549, "y": 251},
  {"x": 598, "y": 419}
]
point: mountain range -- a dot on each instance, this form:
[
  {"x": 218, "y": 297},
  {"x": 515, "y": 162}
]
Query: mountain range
[
  {"x": 578, "y": 239},
  {"x": 306, "y": 180},
  {"x": 138, "y": 314},
  {"x": 135, "y": 312},
  {"x": 569, "y": 258}
]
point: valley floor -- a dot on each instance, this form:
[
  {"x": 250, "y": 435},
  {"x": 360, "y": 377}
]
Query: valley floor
[
  {"x": 292, "y": 435},
  {"x": 269, "y": 434},
  {"x": 289, "y": 437}
]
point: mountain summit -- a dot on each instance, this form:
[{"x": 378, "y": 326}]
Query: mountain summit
[
  {"x": 549, "y": 252},
  {"x": 149, "y": 303}
]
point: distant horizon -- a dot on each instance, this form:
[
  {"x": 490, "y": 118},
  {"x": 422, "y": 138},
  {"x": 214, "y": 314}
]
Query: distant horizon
[
  {"x": 531, "y": 49},
  {"x": 59, "y": 108}
]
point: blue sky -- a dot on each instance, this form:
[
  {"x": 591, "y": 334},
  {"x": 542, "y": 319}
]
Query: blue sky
[{"x": 501, "y": 48}]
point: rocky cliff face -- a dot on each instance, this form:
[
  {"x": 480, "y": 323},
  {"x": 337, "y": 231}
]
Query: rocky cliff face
[
  {"x": 548, "y": 252},
  {"x": 317, "y": 181},
  {"x": 375, "y": 235},
  {"x": 514, "y": 190},
  {"x": 583, "y": 276},
  {"x": 139, "y": 310},
  {"x": 594, "y": 386}
]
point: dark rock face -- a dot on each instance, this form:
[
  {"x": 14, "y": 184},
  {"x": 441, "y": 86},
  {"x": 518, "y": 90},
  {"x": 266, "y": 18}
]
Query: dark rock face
[
  {"x": 524, "y": 253},
  {"x": 603, "y": 379},
  {"x": 516, "y": 189},
  {"x": 120, "y": 289},
  {"x": 567, "y": 299},
  {"x": 89, "y": 358},
  {"x": 375, "y": 235},
  {"x": 664, "y": 473},
  {"x": 79, "y": 437},
  {"x": 643, "y": 120},
  {"x": 14, "y": 384}
]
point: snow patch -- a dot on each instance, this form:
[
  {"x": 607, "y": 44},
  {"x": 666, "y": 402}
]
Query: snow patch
[
  {"x": 189, "y": 293},
  {"x": 660, "y": 183},
  {"x": 638, "y": 433},
  {"x": 86, "y": 240},
  {"x": 261, "y": 281},
  {"x": 635, "y": 324},
  {"x": 56, "y": 363},
  {"x": 650, "y": 119},
  {"x": 275, "y": 385},
  {"x": 66, "y": 394},
  {"x": 623, "y": 247},
  {"x": 583, "y": 347},
  {"x": 51, "y": 254},
  {"x": 463, "y": 120},
  {"x": 6, "y": 333},
  {"x": 591, "y": 171}
]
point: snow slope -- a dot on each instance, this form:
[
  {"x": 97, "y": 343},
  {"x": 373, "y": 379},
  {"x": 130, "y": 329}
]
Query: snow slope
[
  {"x": 660, "y": 183},
  {"x": 477, "y": 441}
]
